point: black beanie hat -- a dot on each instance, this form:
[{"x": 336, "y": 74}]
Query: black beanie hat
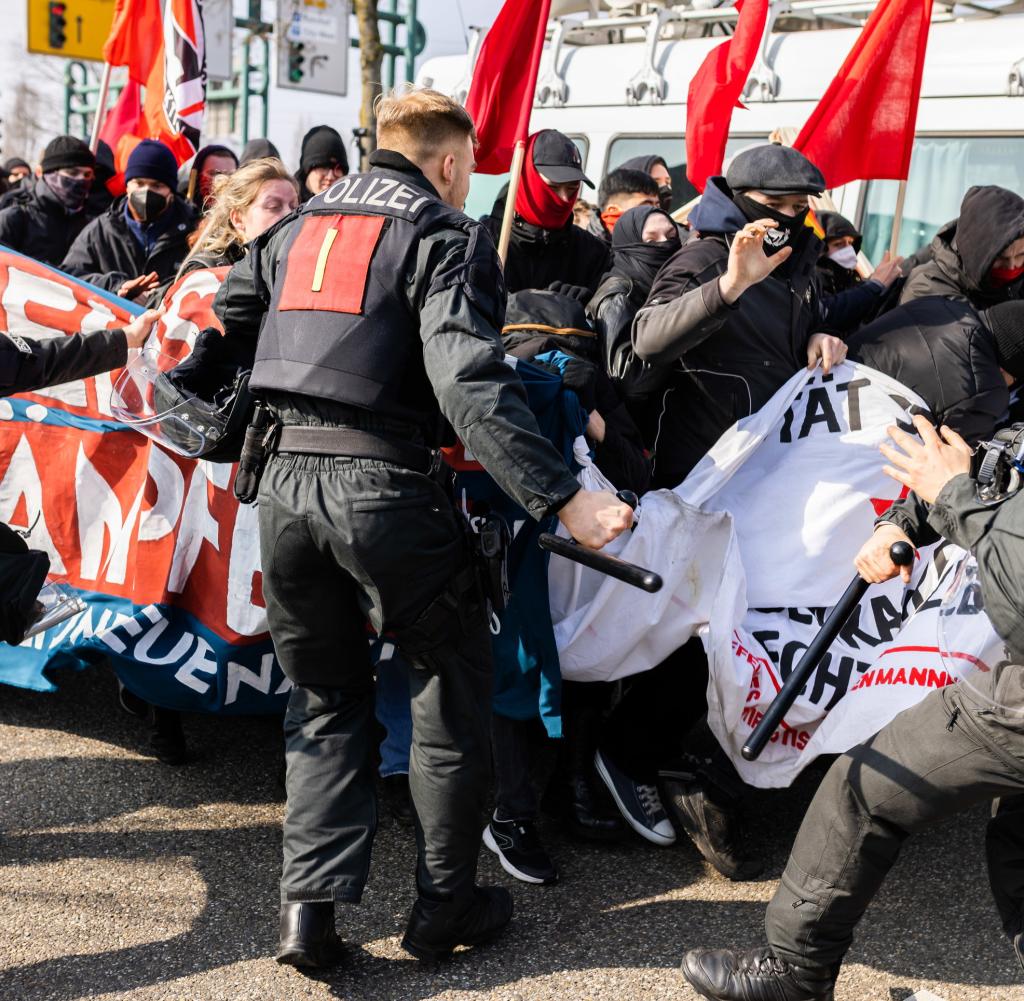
[
  {"x": 13, "y": 162},
  {"x": 1006, "y": 321},
  {"x": 258, "y": 149},
  {"x": 66, "y": 151},
  {"x": 321, "y": 146},
  {"x": 152, "y": 159}
]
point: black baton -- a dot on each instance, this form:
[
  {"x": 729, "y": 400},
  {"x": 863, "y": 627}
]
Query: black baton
[
  {"x": 612, "y": 566},
  {"x": 902, "y": 554}
]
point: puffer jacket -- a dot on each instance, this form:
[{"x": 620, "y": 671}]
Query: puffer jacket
[{"x": 36, "y": 223}]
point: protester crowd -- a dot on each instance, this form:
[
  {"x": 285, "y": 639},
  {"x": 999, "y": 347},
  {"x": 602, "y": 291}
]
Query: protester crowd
[{"x": 667, "y": 333}]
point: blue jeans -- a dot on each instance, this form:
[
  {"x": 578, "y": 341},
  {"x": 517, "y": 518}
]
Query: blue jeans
[{"x": 392, "y": 708}]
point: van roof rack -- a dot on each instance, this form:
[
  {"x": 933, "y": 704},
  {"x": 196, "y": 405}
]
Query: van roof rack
[{"x": 584, "y": 22}]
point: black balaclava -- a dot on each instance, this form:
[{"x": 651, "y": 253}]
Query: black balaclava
[{"x": 631, "y": 257}]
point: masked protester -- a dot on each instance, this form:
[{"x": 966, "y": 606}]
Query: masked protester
[
  {"x": 620, "y": 191},
  {"x": 45, "y": 216},
  {"x": 322, "y": 161},
  {"x": 979, "y": 256},
  {"x": 142, "y": 240},
  {"x": 545, "y": 246},
  {"x": 643, "y": 242},
  {"x": 657, "y": 168},
  {"x": 209, "y": 164},
  {"x": 837, "y": 266}
]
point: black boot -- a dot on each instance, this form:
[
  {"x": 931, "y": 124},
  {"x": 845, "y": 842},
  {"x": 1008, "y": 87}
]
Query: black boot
[
  {"x": 396, "y": 795},
  {"x": 588, "y": 816},
  {"x": 436, "y": 927},
  {"x": 752, "y": 975},
  {"x": 167, "y": 738},
  {"x": 308, "y": 937},
  {"x": 707, "y": 807}
]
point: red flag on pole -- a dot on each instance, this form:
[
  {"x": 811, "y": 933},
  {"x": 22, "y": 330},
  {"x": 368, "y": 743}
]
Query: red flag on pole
[
  {"x": 136, "y": 37},
  {"x": 505, "y": 76},
  {"x": 715, "y": 90},
  {"x": 863, "y": 127}
]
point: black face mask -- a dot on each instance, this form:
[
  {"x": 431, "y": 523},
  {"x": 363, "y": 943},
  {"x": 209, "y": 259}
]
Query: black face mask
[
  {"x": 790, "y": 230},
  {"x": 665, "y": 197},
  {"x": 70, "y": 191},
  {"x": 147, "y": 204}
]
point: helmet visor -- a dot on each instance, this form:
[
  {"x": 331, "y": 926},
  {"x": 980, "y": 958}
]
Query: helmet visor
[{"x": 147, "y": 398}]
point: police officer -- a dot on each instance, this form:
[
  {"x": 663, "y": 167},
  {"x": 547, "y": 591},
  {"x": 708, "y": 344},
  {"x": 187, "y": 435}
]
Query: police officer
[
  {"x": 385, "y": 306},
  {"x": 960, "y": 746}
]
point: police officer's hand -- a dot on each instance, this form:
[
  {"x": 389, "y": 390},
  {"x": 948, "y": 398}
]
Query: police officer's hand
[
  {"x": 926, "y": 466},
  {"x": 595, "y": 517},
  {"x": 873, "y": 562},
  {"x": 828, "y": 350},
  {"x": 138, "y": 331},
  {"x": 748, "y": 263}
]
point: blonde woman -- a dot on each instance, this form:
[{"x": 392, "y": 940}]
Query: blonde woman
[{"x": 245, "y": 204}]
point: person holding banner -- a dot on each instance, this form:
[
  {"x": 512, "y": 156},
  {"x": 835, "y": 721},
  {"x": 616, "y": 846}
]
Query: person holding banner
[
  {"x": 962, "y": 745},
  {"x": 378, "y": 309}
]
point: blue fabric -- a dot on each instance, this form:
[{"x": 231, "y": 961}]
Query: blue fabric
[
  {"x": 392, "y": 707},
  {"x": 716, "y": 212},
  {"x": 527, "y": 674}
]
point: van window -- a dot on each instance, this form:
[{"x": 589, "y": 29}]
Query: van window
[
  {"x": 484, "y": 188},
  {"x": 941, "y": 171},
  {"x": 672, "y": 149}
]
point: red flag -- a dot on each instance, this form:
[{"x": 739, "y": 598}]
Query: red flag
[
  {"x": 175, "y": 103},
  {"x": 136, "y": 37},
  {"x": 864, "y": 125},
  {"x": 715, "y": 90},
  {"x": 501, "y": 96}
]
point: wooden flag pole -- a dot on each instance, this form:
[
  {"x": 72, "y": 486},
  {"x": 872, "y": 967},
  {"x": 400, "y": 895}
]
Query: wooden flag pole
[
  {"x": 897, "y": 222},
  {"x": 101, "y": 107},
  {"x": 518, "y": 155}
]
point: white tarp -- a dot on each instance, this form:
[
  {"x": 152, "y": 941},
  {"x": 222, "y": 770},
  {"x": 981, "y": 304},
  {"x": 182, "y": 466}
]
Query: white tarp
[{"x": 754, "y": 546}]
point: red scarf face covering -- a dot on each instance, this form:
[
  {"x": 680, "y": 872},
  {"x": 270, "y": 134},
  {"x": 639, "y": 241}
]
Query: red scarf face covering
[
  {"x": 536, "y": 202},
  {"x": 1003, "y": 276}
]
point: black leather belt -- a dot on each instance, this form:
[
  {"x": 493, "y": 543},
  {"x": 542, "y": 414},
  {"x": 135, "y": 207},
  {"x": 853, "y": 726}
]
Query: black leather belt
[{"x": 352, "y": 443}]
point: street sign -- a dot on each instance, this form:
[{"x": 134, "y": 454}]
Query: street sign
[
  {"x": 77, "y": 29},
  {"x": 312, "y": 45}
]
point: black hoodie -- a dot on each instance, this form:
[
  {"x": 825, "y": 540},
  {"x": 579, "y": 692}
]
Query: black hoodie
[
  {"x": 37, "y": 224},
  {"x": 991, "y": 218}
]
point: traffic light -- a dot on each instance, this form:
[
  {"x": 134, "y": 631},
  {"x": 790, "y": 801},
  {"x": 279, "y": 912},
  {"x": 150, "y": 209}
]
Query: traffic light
[
  {"x": 58, "y": 22},
  {"x": 295, "y": 61}
]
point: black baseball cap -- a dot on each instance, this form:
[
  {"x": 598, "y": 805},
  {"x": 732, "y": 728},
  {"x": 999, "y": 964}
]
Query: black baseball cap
[{"x": 555, "y": 156}]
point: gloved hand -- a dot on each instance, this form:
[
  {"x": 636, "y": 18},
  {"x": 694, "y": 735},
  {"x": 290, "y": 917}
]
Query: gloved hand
[
  {"x": 578, "y": 292},
  {"x": 581, "y": 377}
]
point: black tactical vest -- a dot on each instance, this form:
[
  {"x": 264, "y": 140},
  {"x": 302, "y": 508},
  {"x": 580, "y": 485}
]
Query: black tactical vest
[{"x": 340, "y": 326}]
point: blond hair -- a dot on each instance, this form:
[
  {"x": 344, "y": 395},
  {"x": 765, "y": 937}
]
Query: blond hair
[
  {"x": 233, "y": 193},
  {"x": 420, "y": 122}
]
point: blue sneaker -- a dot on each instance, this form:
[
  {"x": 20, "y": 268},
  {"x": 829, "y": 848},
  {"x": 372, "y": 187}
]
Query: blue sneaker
[{"x": 639, "y": 803}]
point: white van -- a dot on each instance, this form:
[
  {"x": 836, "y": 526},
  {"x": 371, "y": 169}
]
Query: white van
[{"x": 616, "y": 82}]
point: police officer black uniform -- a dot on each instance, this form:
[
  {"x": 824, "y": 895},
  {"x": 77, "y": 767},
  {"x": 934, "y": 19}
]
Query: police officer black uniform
[
  {"x": 960, "y": 746},
  {"x": 385, "y": 306}
]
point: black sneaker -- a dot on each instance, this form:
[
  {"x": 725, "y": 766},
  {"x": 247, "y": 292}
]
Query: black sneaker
[
  {"x": 520, "y": 852},
  {"x": 639, "y": 803},
  {"x": 752, "y": 975}
]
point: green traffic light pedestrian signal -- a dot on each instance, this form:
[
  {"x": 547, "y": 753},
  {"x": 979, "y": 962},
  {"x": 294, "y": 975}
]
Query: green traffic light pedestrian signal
[
  {"x": 295, "y": 61},
  {"x": 57, "y": 24}
]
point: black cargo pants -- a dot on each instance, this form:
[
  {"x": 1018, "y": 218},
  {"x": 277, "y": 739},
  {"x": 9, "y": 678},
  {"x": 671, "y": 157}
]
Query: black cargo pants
[
  {"x": 343, "y": 541},
  {"x": 954, "y": 749}
]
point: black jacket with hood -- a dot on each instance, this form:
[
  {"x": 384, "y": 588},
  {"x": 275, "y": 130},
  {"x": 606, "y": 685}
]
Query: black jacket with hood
[
  {"x": 36, "y": 223},
  {"x": 991, "y": 218},
  {"x": 107, "y": 253},
  {"x": 726, "y": 361},
  {"x": 941, "y": 349}
]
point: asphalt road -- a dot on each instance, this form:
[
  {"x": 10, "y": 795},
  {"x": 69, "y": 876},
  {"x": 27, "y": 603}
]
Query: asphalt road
[{"x": 122, "y": 878}]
